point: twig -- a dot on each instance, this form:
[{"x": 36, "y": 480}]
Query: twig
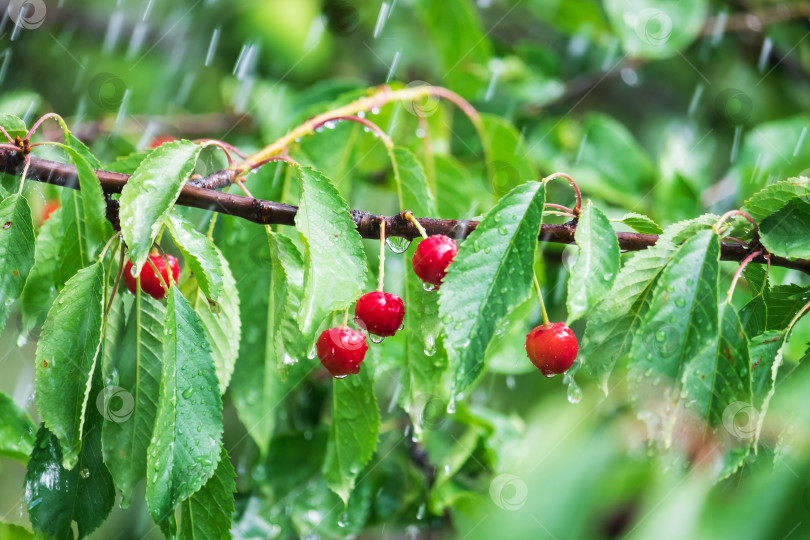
[{"x": 368, "y": 224}]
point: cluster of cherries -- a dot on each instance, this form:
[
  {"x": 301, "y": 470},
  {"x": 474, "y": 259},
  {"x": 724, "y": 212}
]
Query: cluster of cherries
[{"x": 552, "y": 347}]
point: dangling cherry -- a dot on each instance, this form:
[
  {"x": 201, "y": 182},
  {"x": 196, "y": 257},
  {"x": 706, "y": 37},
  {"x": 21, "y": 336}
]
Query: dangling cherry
[
  {"x": 380, "y": 313},
  {"x": 552, "y": 348},
  {"x": 341, "y": 350},
  {"x": 150, "y": 283},
  {"x": 433, "y": 255}
]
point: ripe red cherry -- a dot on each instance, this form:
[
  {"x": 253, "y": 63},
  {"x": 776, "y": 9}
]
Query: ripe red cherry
[
  {"x": 341, "y": 350},
  {"x": 160, "y": 139},
  {"x": 552, "y": 348},
  {"x": 150, "y": 283},
  {"x": 433, "y": 255},
  {"x": 380, "y": 313}
]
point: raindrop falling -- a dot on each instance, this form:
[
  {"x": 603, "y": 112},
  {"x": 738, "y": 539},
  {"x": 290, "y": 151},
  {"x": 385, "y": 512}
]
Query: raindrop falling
[
  {"x": 693, "y": 103},
  {"x": 122, "y": 114},
  {"x": 496, "y": 67},
  {"x": 212, "y": 46},
  {"x": 735, "y": 146},
  {"x": 393, "y": 67},
  {"x": 114, "y": 26},
  {"x": 510, "y": 382},
  {"x": 800, "y": 141},
  {"x": 765, "y": 54},
  {"x": 581, "y": 148},
  {"x": 719, "y": 28},
  {"x": 398, "y": 244},
  {"x": 381, "y": 18},
  {"x": 420, "y": 514}
]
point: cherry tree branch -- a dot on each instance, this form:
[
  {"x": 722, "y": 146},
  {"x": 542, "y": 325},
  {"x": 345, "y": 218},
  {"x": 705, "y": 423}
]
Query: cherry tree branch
[{"x": 368, "y": 224}]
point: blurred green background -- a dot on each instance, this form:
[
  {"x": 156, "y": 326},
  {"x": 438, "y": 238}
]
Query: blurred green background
[{"x": 671, "y": 109}]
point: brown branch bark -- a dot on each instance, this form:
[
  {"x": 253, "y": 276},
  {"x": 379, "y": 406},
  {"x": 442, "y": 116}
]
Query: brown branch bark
[{"x": 368, "y": 224}]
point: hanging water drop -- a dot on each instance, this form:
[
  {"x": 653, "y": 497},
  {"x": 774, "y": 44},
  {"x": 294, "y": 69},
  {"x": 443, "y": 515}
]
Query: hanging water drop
[
  {"x": 398, "y": 244},
  {"x": 343, "y": 520},
  {"x": 376, "y": 339},
  {"x": 574, "y": 391},
  {"x": 429, "y": 287}
]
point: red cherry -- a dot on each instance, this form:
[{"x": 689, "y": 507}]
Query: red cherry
[
  {"x": 433, "y": 255},
  {"x": 341, "y": 350},
  {"x": 150, "y": 283},
  {"x": 380, "y": 313},
  {"x": 160, "y": 139},
  {"x": 49, "y": 208},
  {"x": 552, "y": 348}
]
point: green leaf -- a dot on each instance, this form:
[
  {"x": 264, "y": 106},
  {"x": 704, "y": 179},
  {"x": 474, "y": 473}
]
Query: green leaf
[
  {"x": 126, "y": 164},
  {"x": 656, "y": 28},
  {"x": 491, "y": 274},
  {"x": 680, "y": 325},
  {"x": 16, "y": 431},
  {"x": 185, "y": 447},
  {"x": 787, "y": 232},
  {"x": 16, "y": 251},
  {"x": 81, "y": 148},
  {"x": 72, "y": 254},
  {"x": 463, "y": 48},
  {"x": 13, "y": 125},
  {"x": 285, "y": 342},
  {"x": 221, "y": 322},
  {"x": 200, "y": 254},
  {"x": 10, "y": 531},
  {"x": 641, "y": 223},
  {"x": 596, "y": 265},
  {"x": 508, "y": 156},
  {"x": 40, "y": 287},
  {"x": 354, "y": 432},
  {"x": 615, "y": 321},
  {"x": 764, "y": 351},
  {"x": 66, "y": 358},
  {"x": 718, "y": 376},
  {"x": 56, "y": 496},
  {"x": 130, "y": 407},
  {"x": 207, "y": 514},
  {"x": 775, "y": 196},
  {"x": 94, "y": 207},
  {"x": 773, "y": 309},
  {"x": 336, "y": 264},
  {"x": 412, "y": 187},
  {"x": 150, "y": 193}
]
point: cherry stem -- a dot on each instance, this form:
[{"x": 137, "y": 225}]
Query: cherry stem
[
  {"x": 226, "y": 148},
  {"x": 796, "y": 319},
  {"x": 382, "y": 96},
  {"x": 578, "y": 207},
  {"x": 4, "y": 132},
  {"x": 345, "y": 318},
  {"x": 42, "y": 119},
  {"x": 409, "y": 216},
  {"x": 364, "y": 121},
  {"x": 751, "y": 256},
  {"x": 381, "y": 279},
  {"x": 724, "y": 217},
  {"x": 283, "y": 157},
  {"x": 24, "y": 172},
  {"x": 559, "y": 207},
  {"x": 546, "y": 322},
  {"x": 222, "y": 144},
  {"x": 107, "y": 245}
]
